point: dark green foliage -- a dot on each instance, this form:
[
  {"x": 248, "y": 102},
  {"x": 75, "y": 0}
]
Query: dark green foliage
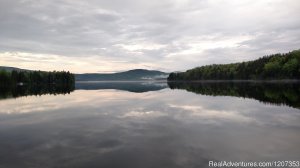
[
  {"x": 5, "y": 78},
  {"x": 14, "y": 78},
  {"x": 277, "y": 66},
  {"x": 287, "y": 93}
]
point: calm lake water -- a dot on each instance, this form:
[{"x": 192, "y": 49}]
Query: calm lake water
[{"x": 144, "y": 125}]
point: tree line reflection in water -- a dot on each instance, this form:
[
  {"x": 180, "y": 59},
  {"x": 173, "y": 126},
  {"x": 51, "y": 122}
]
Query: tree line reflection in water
[
  {"x": 37, "y": 90},
  {"x": 282, "y": 93},
  {"x": 279, "y": 93}
]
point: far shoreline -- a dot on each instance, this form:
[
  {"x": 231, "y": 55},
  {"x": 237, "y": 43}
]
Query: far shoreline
[
  {"x": 238, "y": 81},
  {"x": 121, "y": 81},
  {"x": 197, "y": 81}
]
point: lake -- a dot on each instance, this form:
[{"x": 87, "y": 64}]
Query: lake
[{"x": 150, "y": 124}]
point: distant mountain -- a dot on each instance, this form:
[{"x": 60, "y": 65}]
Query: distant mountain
[
  {"x": 131, "y": 75},
  {"x": 6, "y": 68},
  {"x": 135, "y": 74}
]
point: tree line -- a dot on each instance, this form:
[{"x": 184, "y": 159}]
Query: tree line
[
  {"x": 15, "y": 78},
  {"x": 276, "y": 66}
]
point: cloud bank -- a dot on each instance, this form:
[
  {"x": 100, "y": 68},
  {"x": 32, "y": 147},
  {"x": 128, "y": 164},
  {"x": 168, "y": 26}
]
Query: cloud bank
[{"x": 168, "y": 35}]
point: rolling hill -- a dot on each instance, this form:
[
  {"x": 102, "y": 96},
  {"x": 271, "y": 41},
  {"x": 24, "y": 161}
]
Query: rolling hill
[
  {"x": 6, "y": 68},
  {"x": 135, "y": 74}
]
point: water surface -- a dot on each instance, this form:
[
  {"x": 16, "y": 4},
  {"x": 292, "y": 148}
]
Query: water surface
[{"x": 153, "y": 126}]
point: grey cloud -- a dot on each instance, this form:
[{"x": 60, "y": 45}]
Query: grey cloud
[{"x": 84, "y": 28}]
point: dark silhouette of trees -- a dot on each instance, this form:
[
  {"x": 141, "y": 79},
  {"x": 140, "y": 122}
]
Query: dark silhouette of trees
[
  {"x": 277, "y": 66},
  {"x": 5, "y": 78},
  {"x": 23, "y": 83},
  {"x": 15, "y": 78}
]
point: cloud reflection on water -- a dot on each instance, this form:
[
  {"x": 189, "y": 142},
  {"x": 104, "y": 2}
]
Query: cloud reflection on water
[{"x": 166, "y": 128}]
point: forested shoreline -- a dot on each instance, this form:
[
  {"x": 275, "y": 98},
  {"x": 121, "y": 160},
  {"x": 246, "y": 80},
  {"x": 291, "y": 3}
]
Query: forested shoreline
[
  {"x": 17, "y": 78},
  {"x": 276, "y": 66}
]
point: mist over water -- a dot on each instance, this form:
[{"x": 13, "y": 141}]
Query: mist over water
[{"x": 151, "y": 125}]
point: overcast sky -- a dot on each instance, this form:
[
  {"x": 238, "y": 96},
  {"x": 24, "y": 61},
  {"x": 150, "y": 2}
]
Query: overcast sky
[{"x": 168, "y": 35}]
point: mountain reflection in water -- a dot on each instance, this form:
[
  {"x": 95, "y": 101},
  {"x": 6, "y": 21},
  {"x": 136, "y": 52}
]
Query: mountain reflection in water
[{"x": 131, "y": 86}]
